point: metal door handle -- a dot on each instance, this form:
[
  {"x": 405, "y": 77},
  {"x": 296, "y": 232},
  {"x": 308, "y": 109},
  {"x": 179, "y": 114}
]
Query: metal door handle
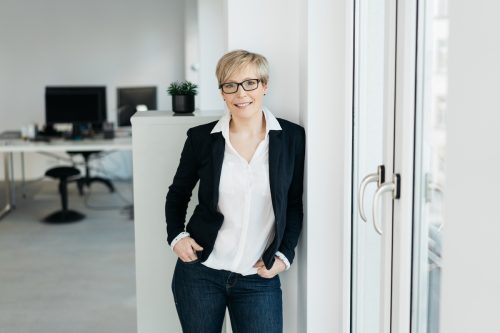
[
  {"x": 373, "y": 177},
  {"x": 393, "y": 187},
  {"x": 378, "y": 177}
]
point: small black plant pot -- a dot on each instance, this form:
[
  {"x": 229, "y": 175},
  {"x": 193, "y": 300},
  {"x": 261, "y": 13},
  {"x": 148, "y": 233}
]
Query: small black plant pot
[{"x": 183, "y": 103}]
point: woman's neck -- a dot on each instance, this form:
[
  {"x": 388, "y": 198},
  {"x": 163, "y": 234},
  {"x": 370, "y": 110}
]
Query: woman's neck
[{"x": 254, "y": 126}]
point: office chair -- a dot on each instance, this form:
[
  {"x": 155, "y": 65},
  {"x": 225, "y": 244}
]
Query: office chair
[
  {"x": 87, "y": 180},
  {"x": 64, "y": 174}
]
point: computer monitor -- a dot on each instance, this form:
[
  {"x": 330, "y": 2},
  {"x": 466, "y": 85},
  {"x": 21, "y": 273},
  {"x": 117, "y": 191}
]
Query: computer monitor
[
  {"x": 75, "y": 105},
  {"x": 131, "y": 97}
]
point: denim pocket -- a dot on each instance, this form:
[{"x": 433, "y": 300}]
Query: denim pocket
[
  {"x": 198, "y": 254},
  {"x": 191, "y": 262}
]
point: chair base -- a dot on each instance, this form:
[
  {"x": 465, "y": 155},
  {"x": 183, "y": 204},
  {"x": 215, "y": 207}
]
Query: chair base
[
  {"x": 84, "y": 181},
  {"x": 62, "y": 216}
]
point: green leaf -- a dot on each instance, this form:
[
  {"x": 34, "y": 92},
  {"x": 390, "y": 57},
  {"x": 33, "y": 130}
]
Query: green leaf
[{"x": 182, "y": 88}]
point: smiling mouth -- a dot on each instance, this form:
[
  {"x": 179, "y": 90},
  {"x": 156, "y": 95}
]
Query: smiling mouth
[{"x": 242, "y": 105}]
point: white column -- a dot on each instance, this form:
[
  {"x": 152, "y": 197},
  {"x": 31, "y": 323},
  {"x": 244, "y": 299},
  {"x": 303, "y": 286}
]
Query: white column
[{"x": 157, "y": 141}]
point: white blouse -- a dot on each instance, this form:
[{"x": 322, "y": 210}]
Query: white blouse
[{"x": 245, "y": 202}]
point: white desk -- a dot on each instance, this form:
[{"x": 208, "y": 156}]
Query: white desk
[{"x": 10, "y": 146}]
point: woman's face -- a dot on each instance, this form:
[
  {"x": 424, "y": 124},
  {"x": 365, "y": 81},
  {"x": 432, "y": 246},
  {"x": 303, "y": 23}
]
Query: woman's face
[{"x": 245, "y": 104}]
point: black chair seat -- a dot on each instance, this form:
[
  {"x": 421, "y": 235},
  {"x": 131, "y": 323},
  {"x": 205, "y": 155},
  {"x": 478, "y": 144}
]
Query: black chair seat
[
  {"x": 62, "y": 172},
  {"x": 64, "y": 215}
]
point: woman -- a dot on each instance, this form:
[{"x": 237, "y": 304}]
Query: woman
[{"x": 244, "y": 230}]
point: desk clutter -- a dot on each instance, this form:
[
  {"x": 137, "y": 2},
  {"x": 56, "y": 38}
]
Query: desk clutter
[
  {"x": 42, "y": 136},
  {"x": 10, "y": 135},
  {"x": 78, "y": 132},
  {"x": 81, "y": 112}
]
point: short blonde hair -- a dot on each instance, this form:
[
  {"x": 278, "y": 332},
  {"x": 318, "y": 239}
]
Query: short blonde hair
[{"x": 234, "y": 61}]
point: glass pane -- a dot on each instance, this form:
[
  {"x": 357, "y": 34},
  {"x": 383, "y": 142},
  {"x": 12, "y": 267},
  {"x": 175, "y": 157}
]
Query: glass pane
[
  {"x": 367, "y": 156},
  {"x": 430, "y": 140}
]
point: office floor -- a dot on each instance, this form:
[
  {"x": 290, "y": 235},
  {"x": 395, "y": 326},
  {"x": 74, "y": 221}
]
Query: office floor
[{"x": 68, "y": 278}]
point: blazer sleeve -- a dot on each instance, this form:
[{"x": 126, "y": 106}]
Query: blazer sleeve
[
  {"x": 179, "y": 193},
  {"x": 294, "y": 211}
]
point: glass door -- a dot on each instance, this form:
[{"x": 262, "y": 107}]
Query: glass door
[
  {"x": 373, "y": 128},
  {"x": 430, "y": 140},
  {"x": 398, "y": 165}
]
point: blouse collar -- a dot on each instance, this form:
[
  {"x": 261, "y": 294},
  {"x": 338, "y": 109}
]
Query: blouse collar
[{"x": 222, "y": 125}]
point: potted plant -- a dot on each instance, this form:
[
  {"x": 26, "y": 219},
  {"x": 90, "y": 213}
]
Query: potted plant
[{"x": 182, "y": 96}]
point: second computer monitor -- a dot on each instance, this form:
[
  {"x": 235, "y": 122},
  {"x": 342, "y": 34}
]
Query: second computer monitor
[{"x": 130, "y": 98}]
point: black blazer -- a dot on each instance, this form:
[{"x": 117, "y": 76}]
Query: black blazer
[{"x": 201, "y": 159}]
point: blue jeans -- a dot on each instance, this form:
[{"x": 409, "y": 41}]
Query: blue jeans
[{"x": 202, "y": 294}]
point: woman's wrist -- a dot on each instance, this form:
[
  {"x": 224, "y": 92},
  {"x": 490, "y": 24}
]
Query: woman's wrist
[
  {"x": 282, "y": 265},
  {"x": 283, "y": 258},
  {"x": 180, "y": 236}
]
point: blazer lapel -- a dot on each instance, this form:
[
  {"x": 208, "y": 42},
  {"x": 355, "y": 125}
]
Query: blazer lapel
[
  {"x": 218, "y": 145},
  {"x": 275, "y": 148}
]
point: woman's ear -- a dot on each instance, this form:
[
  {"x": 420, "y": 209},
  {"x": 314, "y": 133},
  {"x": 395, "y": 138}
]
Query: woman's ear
[{"x": 264, "y": 87}]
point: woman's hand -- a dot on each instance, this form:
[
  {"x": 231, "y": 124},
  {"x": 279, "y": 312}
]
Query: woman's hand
[
  {"x": 278, "y": 267},
  {"x": 185, "y": 249}
]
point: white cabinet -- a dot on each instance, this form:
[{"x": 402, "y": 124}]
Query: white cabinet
[{"x": 157, "y": 141}]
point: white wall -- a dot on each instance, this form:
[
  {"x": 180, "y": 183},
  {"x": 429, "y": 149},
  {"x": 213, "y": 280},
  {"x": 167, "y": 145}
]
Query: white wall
[
  {"x": 271, "y": 28},
  {"x": 212, "y": 36},
  {"x": 327, "y": 113},
  {"x": 191, "y": 42},
  {"x": 60, "y": 42},
  {"x": 307, "y": 45},
  {"x": 471, "y": 250}
]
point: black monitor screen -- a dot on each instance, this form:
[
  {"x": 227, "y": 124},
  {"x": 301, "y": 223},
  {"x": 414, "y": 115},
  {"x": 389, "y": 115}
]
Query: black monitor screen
[
  {"x": 130, "y": 98},
  {"x": 75, "y": 105}
]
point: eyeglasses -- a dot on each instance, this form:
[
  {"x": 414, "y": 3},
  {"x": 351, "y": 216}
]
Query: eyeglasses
[{"x": 232, "y": 87}]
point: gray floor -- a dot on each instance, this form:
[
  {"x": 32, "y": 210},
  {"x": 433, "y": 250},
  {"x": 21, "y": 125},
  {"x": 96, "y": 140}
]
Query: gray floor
[{"x": 67, "y": 278}]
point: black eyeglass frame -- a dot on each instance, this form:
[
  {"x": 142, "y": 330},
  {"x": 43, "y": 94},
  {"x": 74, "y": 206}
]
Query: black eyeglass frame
[{"x": 240, "y": 84}]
